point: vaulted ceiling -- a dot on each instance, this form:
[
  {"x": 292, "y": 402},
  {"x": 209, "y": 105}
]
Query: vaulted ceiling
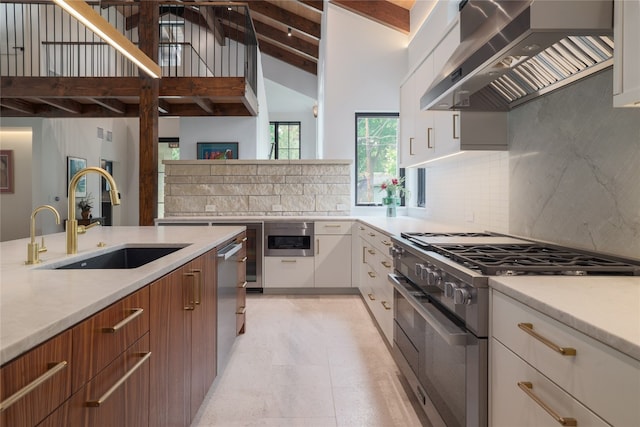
[{"x": 290, "y": 30}]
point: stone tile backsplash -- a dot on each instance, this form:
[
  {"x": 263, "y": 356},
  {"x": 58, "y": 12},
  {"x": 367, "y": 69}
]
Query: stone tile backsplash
[{"x": 257, "y": 187}]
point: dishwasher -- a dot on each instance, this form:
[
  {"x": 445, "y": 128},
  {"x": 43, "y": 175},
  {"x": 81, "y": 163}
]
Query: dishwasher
[{"x": 227, "y": 284}]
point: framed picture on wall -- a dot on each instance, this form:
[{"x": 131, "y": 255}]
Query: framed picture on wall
[
  {"x": 217, "y": 150},
  {"x": 74, "y": 164},
  {"x": 7, "y": 172}
]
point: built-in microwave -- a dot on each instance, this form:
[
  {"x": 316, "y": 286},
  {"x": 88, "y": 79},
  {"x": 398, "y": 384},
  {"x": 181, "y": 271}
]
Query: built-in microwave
[{"x": 283, "y": 238}]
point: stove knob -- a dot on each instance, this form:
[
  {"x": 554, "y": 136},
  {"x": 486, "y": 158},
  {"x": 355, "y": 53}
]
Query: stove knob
[
  {"x": 419, "y": 269},
  {"x": 434, "y": 278},
  {"x": 461, "y": 296},
  {"x": 392, "y": 252},
  {"x": 449, "y": 289}
]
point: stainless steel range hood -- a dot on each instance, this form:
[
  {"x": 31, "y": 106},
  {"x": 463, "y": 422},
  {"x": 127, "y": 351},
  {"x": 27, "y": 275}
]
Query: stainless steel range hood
[{"x": 513, "y": 51}]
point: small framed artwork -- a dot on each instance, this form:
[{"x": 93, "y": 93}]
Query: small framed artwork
[
  {"x": 74, "y": 164},
  {"x": 217, "y": 150},
  {"x": 7, "y": 172}
]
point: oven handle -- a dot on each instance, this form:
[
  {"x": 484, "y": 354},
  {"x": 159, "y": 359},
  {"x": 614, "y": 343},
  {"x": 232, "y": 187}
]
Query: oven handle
[{"x": 449, "y": 331}]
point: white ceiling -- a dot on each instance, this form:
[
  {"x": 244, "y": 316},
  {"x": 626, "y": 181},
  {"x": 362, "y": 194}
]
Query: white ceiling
[{"x": 281, "y": 99}]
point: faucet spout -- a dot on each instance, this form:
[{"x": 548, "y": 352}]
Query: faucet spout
[
  {"x": 33, "y": 250},
  {"x": 72, "y": 222}
]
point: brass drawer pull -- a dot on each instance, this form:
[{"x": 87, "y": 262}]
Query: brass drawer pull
[
  {"x": 104, "y": 397},
  {"x": 135, "y": 312},
  {"x": 361, "y": 228},
  {"x": 527, "y": 387},
  {"x": 372, "y": 274},
  {"x": 243, "y": 259},
  {"x": 54, "y": 369},
  {"x": 199, "y": 286},
  {"x": 386, "y": 243},
  {"x": 371, "y": 297},
  {"x": 386, "y": 305},
  {"x": 190, "y": 303},
  {"x": 244, "y": 239},
  {"x": 288, "y": 260},
  {"x": 372, "y": 251},
  {"x": 241, "y": 310},
  {"x": 243, "y": 285},
  {"x": 386, "y": 264},
  {"x": 372, "y": 234},
  {"x": 565, "y": 351},
  {"x": 332, "y": 226}
]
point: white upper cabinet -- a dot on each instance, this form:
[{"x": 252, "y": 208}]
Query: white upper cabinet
[
  {"x": 407, "y": 119},
  {"x": 626, "y": 54}
]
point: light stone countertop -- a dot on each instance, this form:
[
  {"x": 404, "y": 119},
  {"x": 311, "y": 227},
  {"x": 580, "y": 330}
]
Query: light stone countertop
[
  {"x": 606, "y": 309},
  {"x": 37, "y": 302}
]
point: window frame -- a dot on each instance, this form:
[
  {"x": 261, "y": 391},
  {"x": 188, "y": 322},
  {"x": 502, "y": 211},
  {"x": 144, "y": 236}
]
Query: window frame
[{"x": 275, "y": 135}]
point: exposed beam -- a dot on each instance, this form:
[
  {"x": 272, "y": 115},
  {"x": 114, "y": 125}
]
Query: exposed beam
[
  {"x": 69, "y": 87},
  {"x": 63, "y": 104},
  {"x": 18, "y": 105},
  {"x": 288, "y": 57},
  {"x": 313, "y": 4},
  {"x": 203, "y": 86},
  {"x": 285, "y": 17},
  {"x": 164, "y": 107},
  {"x": 88, "y": 111},
  {"x": 110, "y": 104},
  {"x": 383, "y": 12},
  {"x": 203, "y": 103},
  {"x": 219, "y": 109}
]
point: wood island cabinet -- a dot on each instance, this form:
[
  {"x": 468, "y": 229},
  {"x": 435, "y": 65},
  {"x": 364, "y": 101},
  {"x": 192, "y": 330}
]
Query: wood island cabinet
[{"x": 183, "y": 341}]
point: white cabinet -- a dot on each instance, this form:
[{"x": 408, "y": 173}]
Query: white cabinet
[
  {"x": 375, "y": 264},
  {"x": 596, "y": 383},
  {"x": 288, "y": 272},
  {"x": 333, "y": 254},
  {"x": 408, "y": 102},
  {"x": 626, "y": 60}
]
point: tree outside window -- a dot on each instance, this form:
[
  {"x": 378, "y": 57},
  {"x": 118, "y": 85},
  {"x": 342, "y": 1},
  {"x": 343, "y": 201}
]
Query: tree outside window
[
  {"x": 376, "y": 155},
  {"x": 285, "y": 140}
]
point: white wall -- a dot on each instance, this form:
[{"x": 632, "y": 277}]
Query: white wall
[
  {"x": 13, "y": 206},
  {"x": 364, "y": 63},
  {"x": 292, "y": 77}
]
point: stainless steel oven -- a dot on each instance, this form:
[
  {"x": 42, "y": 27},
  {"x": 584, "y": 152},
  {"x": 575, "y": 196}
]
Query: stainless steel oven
[{"x": 283, "y": 238}]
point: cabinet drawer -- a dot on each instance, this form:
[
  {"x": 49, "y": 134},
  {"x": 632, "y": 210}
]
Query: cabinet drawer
[
  {"x": 117, "y": 396},
  {"x": 48, "y": 367},
  {"x": 332, "y": 227},
  {"x": 511, "y": 406},
  {"x": 289, "y": 272},
  {"x": 102, "y": 337},
  {"x": 603, "y": 379},
  {"x": 380, "y": 241}
]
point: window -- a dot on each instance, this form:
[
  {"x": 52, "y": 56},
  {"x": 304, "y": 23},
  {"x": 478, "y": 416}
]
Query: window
[
  {"x": 168, "y": 149},
  {"x": 285, "y": 140},
  {"x": 421, "y": 184},
  {"x": 376, "y": 155}
]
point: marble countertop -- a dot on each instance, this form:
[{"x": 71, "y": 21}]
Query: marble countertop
[
  {"x": 606, "y": 309},
  {"x": 38, "y": 302}
]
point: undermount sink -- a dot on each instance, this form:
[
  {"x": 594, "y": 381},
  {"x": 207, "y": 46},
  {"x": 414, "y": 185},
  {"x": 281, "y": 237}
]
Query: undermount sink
[{"x": 123, "y": 258}]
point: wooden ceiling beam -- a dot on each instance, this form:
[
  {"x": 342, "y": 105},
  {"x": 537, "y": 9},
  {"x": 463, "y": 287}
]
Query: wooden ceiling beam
[
  {"x": 68, "y": 105},
  {"x": 288, "y": 57},
  {"x": 203, "y": 86},
  {"x": 313, "y": 4},
  {"x": 381, "y": 11},
  {"x": 204, "y": 103},
  {"x": 219, "y": 109},
  {"x": 18, "y": 105},
  {"x": 88, "y": 111},
  {"x": 285, "y": 17},
  {"x": 110, "y": 104},
  {"x": 164, "y": 107},
  {"x": 70, "y": 87}
]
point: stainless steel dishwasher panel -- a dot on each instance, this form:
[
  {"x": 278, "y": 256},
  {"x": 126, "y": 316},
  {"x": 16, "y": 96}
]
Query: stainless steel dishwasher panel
[{"x": 227, "y": 284}]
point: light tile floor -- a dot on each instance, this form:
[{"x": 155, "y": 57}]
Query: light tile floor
[{"x": 309, "y": 361}]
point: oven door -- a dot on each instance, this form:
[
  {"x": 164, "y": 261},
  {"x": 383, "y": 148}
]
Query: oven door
[{"x": 450, "y": 363}]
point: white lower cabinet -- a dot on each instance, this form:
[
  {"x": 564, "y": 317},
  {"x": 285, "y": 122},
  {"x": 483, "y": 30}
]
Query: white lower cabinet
[
  {"x": 333, "y": 254},
  {"x": 572, "y": 374},
  {"x": 288, "y": 272},
  {"x": 374, "y": 265}
]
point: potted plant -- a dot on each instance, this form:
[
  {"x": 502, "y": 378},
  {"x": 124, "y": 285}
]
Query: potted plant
[{"x": 85, "y": 205}]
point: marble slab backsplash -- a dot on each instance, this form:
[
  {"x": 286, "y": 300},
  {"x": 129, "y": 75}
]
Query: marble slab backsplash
[
  {"x": 257, "y": 187},
  {"x": 571, "y": 175}
]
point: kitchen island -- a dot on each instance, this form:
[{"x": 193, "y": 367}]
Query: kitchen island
[{"x": 38, "y": 301}]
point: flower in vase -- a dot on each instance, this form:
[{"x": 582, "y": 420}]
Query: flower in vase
[{"x": 394, "y": 187}]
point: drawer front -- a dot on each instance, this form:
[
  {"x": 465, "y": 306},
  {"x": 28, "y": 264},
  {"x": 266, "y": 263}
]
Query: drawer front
[
  {"x": 511, "y": 406},
  {"x": 101, "y": 338},
  {"x": 48, "y": 367},
  {"x": 603, "y": 379},
  {"x": 333, "y": 227},
  {"x": 380, "y": 241},
  {"x": 289, "y": 272}
]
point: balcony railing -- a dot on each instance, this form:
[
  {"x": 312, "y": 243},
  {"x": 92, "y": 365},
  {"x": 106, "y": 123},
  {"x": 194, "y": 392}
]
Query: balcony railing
[{"x": 196, "y": 39}]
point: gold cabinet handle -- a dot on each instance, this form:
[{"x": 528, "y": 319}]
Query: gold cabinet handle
[
  {"x": 385, "y": 264},
  {"x": 332, "y": 226},
  {"x": 317, "y": 246},
  {"x": 372, "y": 234},
  {"x": 371, "y": 297},
  {"x": 54, "y": 368},
  {"x": 527, "y": 387},
  {"x": 565, "y": 351},
  {"x": 361, "y": 228},
  {"x": 243, "y": 259},
  {"x": 411, "y": 153},
  {"x": 288, "y": 260},
  {"x": 242, "y": 285},
  {"x": 364, "y": 249},
  {"x": 198, "y": 284},
  {"x": 104, "y": 397},
  {"x": 241, "y": 310},
  {"x": 372, "y": 251},
  {"x": 244, "y": 239},
  {"x": 386, "y": 305},
  {"x": 456, "y": 118},
  {"x": 135, "y": 312},
  {"x": 371, "y": 274},
  {"x": 429, "y": 142},
  {"x": 386, "y": 243},
  {"x": 190, "y": 303}
]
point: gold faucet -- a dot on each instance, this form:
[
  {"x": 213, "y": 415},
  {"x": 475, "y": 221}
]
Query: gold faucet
[
  {"x": 72, "y": 224},
  {"x": 33, "y": 250}
]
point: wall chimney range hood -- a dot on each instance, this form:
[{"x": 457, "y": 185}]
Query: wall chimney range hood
[{"x": 513, "y": 51}]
